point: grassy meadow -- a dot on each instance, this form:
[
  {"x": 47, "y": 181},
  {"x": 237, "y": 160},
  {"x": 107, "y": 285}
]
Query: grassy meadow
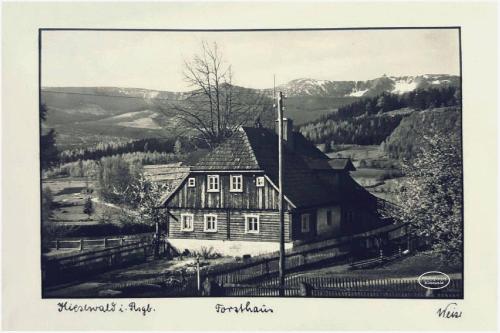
[{"x": 69, "y": 195}]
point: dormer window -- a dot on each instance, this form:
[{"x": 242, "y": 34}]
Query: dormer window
[
  {"x": 191, "y": 182},
  {"x": 213, "y": 183},
  {"x": 259, "y": 182},
  {"x": 236, "y": 183}
]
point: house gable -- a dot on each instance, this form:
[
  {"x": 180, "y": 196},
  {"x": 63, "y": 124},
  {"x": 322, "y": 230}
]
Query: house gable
[{"x": 250, "y": 197}]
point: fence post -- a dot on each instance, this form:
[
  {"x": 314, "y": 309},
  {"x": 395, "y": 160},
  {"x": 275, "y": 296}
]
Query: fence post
[
  {"x": 105, "y": 242},
  {"x": 123, "y": 241},
  {"x": 198, "y": 282},
  {"x": 305, "y": 289},
  {"x": 81, "y": 244},
  {"x": 57, "y": 244}
]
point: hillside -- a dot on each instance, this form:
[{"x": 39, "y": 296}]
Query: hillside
[
  {"x": 368, "y": 88},
  {"x": 370, "y": 120},
  {"x": 404, "y": 140},
  {"x": 84, "y": 116}
]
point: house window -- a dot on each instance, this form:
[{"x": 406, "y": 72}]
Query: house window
[
  {"x": 213, "y": 183},
  {"x": 252, "y": 224},
  {"x": 236, "y": 183},
  {"x": 210, "y": 224},
  {"x": 304, "y": 222},
  {"x": 187, "y": 222},
  {"x": 259, "y": 182},
  {"x": 329, "y": 217},
  {"x": 191, "y": 182}
]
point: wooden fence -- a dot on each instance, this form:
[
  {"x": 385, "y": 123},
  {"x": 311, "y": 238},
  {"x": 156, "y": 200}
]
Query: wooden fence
[
  {"x": 75, "y": 267},
  {"x": 93, "y": 243},
  {"x": 295, "y": 286},
  {"x": 346, "y": 288},
  {"x": 302, "y": 256}
]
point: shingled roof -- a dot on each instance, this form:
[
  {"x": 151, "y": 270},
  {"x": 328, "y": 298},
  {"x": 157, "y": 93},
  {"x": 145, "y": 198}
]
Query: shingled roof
[
  {"x": 256, "y": 149},
  {"x": 343, "y": 164}
]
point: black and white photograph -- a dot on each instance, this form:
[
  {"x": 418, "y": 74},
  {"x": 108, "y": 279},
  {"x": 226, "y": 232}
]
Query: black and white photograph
[{"x": 320, "y": 163}]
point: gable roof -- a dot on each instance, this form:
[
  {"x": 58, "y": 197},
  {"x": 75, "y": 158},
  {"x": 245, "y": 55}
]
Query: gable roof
[
  {"x": 256, "y": 149},
  {"x": 341, "y": 164},
  {"x": 233, "y": 154}
]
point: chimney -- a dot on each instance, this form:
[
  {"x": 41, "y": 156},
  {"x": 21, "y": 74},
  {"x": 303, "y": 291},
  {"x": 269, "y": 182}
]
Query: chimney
[{"x": 287, "y": 132}]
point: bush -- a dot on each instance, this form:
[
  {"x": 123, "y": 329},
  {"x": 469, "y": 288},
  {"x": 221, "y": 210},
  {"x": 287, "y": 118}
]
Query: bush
[
  {"x": 206, "y": 253},
  {"x": 88, "y": 207},
  {"x": 106, "y": 216}
]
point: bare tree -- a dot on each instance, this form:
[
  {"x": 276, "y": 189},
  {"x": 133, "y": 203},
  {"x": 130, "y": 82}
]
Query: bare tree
[{"x": 215, "y": 108}]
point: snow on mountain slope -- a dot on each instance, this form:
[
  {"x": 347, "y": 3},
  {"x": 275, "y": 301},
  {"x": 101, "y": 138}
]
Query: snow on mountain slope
[
  {"x": 358, "y": 93},
  {"x": 398, "y": 85}
]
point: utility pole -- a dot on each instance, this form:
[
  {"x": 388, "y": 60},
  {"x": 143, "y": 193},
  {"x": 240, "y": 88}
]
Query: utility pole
[{"x": 281, "y": 196}]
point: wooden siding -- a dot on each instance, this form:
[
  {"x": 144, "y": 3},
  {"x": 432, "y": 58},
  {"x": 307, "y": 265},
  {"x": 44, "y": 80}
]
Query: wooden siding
[
  {"x": 230, "y": 225},
  {"x": 297, "y": 233},
  {"x": 252, "y": 197}
]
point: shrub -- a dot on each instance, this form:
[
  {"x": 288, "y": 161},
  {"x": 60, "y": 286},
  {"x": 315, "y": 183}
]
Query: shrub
[
  {"x": 206, "y": 253},
  {"x": 106, "y": 216},
  {"x": 88, "y": 207}
]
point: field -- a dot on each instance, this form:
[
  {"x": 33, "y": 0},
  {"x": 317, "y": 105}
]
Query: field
[
  {"x": 69, "y": 198},
  {"x": 374, "y": 169}
]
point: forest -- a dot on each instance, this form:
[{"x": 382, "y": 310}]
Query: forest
[
  {"x": 369, "y": 121},
  {"x": 150, "y": 145},
  {"x": 406, "y": 140}
]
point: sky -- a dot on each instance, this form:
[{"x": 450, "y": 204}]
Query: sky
[{"x": 154, "y": 60}]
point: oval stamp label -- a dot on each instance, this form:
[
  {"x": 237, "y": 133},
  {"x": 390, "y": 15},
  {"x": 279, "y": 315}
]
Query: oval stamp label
[{"x": 434, "y": 280}]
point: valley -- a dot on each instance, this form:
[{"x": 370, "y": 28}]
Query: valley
[{"x": 83, "y": 116}]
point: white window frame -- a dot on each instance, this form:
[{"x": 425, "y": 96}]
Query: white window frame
[
  {"x": 304, "y": 218},
  {"x": 191, "y": 182},
  {"x": 205, "y": 222},
  {"x": 217, "y": 178},
  {"x": 182, "y": 222},
  {"x": 260, "y": 181},
  {"x": 247, "y": 230},
  {"x": 232, "y": 183}
]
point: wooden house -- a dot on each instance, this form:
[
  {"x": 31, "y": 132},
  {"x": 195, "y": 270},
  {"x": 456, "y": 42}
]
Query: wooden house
[{"x": 229, "y": 199}]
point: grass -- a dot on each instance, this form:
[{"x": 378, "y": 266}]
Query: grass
[
  {"x": 411, "y": 266},
  {"x": 136, "y": 273},
  {"x": 69, "y": 198},
  {"x": 358, "y": 152}
]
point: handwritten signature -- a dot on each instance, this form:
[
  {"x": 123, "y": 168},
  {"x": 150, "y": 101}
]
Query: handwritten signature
[
  {"x": 104, "y": 308},
  {"x": 449, "y": 311}
]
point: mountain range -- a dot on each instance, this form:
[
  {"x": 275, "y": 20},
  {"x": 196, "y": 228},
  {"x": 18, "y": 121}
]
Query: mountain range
[
  {"x": 368, "y": 88},
  {"x": 83, "y": 116}
]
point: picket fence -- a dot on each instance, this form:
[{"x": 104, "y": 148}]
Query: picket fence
[
  {"x": 299, "y": 286},
  {"x": 347, "y": 288}
]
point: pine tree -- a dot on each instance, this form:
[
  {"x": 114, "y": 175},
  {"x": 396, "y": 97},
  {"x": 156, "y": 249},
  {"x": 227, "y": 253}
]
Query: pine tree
[
  {"x": 88, "y": 207},
  {"x": 49, "y": 155},
  {"x": 178, "y": 147}
]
